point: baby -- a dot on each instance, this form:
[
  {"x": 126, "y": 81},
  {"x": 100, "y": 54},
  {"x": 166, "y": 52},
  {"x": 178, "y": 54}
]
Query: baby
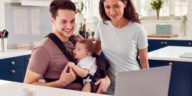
[{"x": 86, "y": 66}]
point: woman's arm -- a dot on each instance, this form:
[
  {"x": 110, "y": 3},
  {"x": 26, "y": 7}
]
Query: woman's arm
[
  {"x": 143, "y": 55},
  {"x": 103, "y": 84},
  {"x": 65, "y": 78},
  {"x": 79, "y": 71},
  {"x": 98, "y": 47}
]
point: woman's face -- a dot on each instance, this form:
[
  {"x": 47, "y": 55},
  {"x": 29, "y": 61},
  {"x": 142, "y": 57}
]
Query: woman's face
[
  {"x": 64, "y": 23},
  {"x": 114, "y": 9}
]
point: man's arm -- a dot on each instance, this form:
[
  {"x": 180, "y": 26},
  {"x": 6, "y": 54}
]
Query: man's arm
[{"x": 65, "y": 78}]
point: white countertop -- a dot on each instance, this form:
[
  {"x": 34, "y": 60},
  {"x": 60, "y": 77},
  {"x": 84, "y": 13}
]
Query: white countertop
[
  {"x": 8, "y": 88},
  {"x": 170, "y": 53},
  {"x": 14, "y": 53}
]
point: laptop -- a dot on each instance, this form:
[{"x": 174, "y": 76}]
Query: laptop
[{"x": 147, "y": 82}]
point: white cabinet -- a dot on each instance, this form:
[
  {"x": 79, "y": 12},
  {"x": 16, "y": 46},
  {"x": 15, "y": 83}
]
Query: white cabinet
[
  {"x": 35, "y": 2},
  {"x": 2, "y": 16}
]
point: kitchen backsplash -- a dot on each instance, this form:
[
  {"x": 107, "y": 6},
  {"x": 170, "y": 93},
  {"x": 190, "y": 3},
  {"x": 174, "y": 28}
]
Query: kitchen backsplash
[{"x": 26, "y": 24}]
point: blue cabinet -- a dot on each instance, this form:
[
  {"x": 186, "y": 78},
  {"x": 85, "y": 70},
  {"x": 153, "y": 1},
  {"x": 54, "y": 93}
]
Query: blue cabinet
[
  {"x": 181, "y": 76},
  {"x": 157, "y": 43},
  {"x": 157, "y": 63},
  {"x": 180, "y": 79},
  {"x": 14, "y": 68}
]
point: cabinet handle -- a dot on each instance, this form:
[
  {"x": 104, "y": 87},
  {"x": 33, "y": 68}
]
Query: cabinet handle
[
  {"x": 165, "y": 43},
  {"x": 13, "y": 71},
  {"x": 162, "y": 42},
  {"x": 189, "y": 43},
  {"x": 170, "y": 63},
  {"x": 13, "y": 62}
]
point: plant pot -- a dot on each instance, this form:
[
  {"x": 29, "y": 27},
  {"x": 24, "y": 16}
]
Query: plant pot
[{"x": 158, "y": 13}]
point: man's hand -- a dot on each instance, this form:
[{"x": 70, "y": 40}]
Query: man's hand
[
  {"x": 67, "y": 77},
  {"x": 103, "y": 84}
]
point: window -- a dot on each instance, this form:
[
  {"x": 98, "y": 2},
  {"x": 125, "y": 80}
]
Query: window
[{"x": 170, "y": 8}]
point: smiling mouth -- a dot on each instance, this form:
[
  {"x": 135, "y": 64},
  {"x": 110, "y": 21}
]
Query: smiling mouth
[{"x": 68, "y": 31}]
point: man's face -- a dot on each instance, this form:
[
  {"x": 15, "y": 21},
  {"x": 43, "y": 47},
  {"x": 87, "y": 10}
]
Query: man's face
[{"x": 64, "y": 23}]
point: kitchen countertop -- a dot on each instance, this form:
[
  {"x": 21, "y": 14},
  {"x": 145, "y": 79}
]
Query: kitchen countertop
[
  {"x": 170, "y": 53},
  {"x": 9, "y": 88},
  {"x": 14, "y": 53}
]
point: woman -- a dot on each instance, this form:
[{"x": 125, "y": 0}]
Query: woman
[{"x": 121, "y": 37}]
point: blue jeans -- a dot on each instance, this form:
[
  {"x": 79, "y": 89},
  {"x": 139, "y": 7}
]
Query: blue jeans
[{"x": 111, "y": 89}]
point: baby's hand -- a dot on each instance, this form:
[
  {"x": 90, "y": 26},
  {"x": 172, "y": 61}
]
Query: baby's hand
[{"x": 71, "y": 64}]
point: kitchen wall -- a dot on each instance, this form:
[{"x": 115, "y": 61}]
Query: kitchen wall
[
  {"x": 2, "y": 10},
  {"x": 148, "y": 24},
  {"x": 26, "y": 25}
]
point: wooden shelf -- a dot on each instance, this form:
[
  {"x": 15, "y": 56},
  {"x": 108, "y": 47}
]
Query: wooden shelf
[{"x": 162, "y": 36}]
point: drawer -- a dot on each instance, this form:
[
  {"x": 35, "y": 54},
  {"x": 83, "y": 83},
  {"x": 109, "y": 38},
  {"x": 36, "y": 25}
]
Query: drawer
[
  {"x": 12, "y": 62},
  {"x": 180, "y": 42},
  {"x": 156, "y": 44},
  {"x": 12, "y": 74},
  {"x": 158, "y": 63}
]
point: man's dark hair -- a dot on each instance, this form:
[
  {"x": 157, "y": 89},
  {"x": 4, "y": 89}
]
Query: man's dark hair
[{"x": 60, "y": 4}]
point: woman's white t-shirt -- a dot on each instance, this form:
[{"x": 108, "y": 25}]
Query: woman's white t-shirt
[{"x": 120, "y": 45}]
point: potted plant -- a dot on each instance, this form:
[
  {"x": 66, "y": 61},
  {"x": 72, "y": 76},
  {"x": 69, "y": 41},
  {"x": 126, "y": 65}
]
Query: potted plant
[
  {"x": 156, "y": 5},
  {"x": 184, "y": 24},
  {"x": 79, "y": 6}
]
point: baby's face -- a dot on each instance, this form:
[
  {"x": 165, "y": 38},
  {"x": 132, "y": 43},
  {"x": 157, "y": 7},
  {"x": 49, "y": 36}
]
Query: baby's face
[{"x": 80, "y": 51}]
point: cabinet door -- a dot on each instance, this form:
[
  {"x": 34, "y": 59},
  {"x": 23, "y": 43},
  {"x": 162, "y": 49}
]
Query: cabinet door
[
  {"x": 180, "y": 79},
  {"x": 12, "y": 68},
  {"x": 156, "y": 44},
  {"x": 158, "y": 63},
  {"x": 180, "y": 42},
  {"x": 12, "y": 62},
  {"x": 12, "y": 74}
]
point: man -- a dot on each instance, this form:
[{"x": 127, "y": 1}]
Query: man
[{"x": 47, "y": 60}]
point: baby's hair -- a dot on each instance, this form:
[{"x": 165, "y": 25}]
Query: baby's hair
[{"x": 89, "y": 45}]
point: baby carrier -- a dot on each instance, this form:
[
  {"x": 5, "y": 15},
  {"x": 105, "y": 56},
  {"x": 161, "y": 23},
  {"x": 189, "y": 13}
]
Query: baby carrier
[{"x": 102, "y": 63}]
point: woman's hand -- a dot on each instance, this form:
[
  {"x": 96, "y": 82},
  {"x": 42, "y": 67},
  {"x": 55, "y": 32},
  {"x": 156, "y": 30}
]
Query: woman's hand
[{"x": 103, "y": 84}]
